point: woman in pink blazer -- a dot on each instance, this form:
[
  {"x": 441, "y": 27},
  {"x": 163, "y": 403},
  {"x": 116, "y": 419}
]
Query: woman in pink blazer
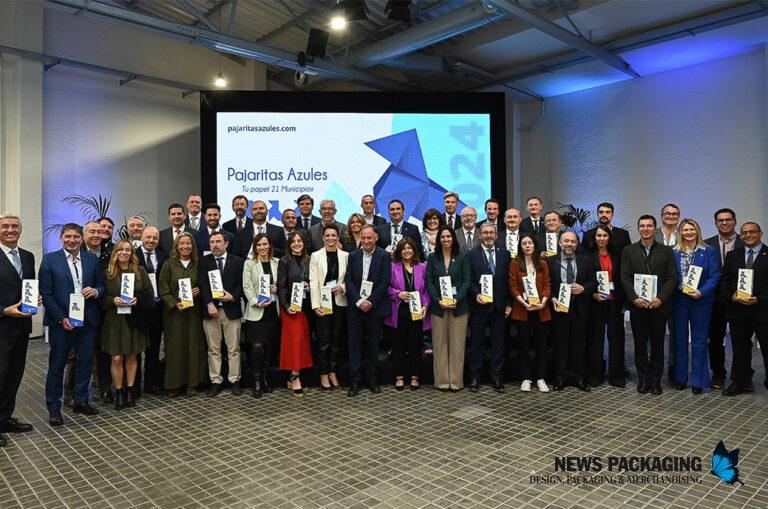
[{"x": 407, "y": 277}]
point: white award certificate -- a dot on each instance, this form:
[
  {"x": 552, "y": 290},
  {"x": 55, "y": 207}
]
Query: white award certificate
[
  {"x": 264, "y": 294},
  {"x": 486, "y": 287},
  {"x": 603, "y": 283},
  {"x": 530, "y": 293},
  {"x": 563, "y": 298},
  {"x": 127, "y": 282},
  {"x": 744, "y": 284},
  {"x": 326, "y": 300},
  {"x": 446, "y": 290},
  {"x": 415, "y": 306},
  {"x": 297, "y": 296},
  {"x": 29, "y": 296},
  {"x": 551, "y": 247},
  {"x": 691, "y": 280},
  {"x": 76, "y": 309},
  {"x": 217, "y": 287},
  {"x": 185, "y": 292},
  {"x": 645, "y": 287},
  {"x": 366, "y": 288}
]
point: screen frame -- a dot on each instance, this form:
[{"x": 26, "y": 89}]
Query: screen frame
[{"x": 216, "y": 101}]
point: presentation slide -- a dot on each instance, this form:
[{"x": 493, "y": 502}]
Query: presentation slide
[{"x": 415, "y": 157}]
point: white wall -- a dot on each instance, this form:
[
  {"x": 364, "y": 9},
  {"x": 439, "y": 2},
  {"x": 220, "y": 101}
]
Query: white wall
[
  {"x": 696, "y": 136},
  {"x": 138, "y": 143}
]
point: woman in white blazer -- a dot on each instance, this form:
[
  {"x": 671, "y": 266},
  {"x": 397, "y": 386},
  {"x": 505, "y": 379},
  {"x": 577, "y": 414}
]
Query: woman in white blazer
[
  {"x": 327, "y": 268},
  {"x": 262, "y": 320}
]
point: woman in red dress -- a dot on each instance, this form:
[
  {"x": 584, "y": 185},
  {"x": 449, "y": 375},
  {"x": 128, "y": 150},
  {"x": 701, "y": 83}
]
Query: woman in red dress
[{"x": 295, "y": 346}]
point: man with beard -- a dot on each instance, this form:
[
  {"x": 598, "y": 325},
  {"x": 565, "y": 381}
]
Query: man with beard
[{"x": 619, "y": 236}]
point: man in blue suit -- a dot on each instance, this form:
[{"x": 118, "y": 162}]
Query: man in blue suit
[
  {"x": 366, "y": 310},
  {"x": 389, "y": 234},
  {"x": 488, "y": 259},
  {"x": 63, "y": 273},
  {"x": 212, "y": 216}
]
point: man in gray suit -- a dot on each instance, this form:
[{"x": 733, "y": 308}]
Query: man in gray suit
[
  {"x": 468, "y": 235},
  {"x": 328, "y": 215}
]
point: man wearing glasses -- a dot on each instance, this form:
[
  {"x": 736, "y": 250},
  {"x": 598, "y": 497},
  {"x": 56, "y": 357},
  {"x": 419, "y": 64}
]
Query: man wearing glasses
[
  {"x": 725, "y": 241},
  {"x": 747, "y": 315},
  {"x": 667, "y": 235}
]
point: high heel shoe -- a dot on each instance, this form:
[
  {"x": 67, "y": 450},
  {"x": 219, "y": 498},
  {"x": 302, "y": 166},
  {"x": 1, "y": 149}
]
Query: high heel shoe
[
  {"x": 415, "y": 385},
  {"x": 299, "y": 393},
  {"x": 323, "y": 387},
  {"x": 119, "y": 402},
  {"x": 334, "y": 385},
  {"x": 130, "y": 397},
  {"x": 399, "y": 380}
]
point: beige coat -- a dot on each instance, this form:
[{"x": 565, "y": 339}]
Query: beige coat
[
  {"x": 318, "y": 268},
  {"x": 252, "y": 270}
]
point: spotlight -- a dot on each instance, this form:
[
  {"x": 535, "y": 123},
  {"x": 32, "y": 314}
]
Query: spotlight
[
  {"x": 346, "y": 11},
  {"x": 220, "y": 82},
  {"x": 398, "y": 10},
  {"x": 338, "y": 22}
]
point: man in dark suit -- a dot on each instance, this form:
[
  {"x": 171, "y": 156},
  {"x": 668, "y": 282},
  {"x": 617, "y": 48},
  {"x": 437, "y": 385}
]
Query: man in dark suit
[
  {"x": 289, "y": 220},
  {"x": 450, "y": 204},
  {"x": 222, "y": 314},
  {"x": 509, "y": 236},
  {"x": 492, "y": 210},
  {"x": 62, "y": 274},
  {"x": 168, "y": 236},
  {"x": 240, "y": 221},
  {"x": 212, "y": 215},
  {"x": 259, "y": 225},
  {"x": 488, "y": 259},
  {"x": 533, "y": 223},
  {"x": 306, "y": 203},
  {"x": 468, "y": 236},
  {"x": 194, "y": 219},
  {"x": 725, "y": 241},
  {"x": 553, "y": 228},
  {"x": 389, "y": 234},
  {"x": 368, "y": 204},
  {"x": 570, "y": 328},
  {"x": 619, "y": 236},
  {"x": 15, "y": 326},
  {"x": 152, "y": 259},
  {"x": 366, "y": 311},
  {"x": 747, "y": 316},
  {"x": 649, "y": 319}
]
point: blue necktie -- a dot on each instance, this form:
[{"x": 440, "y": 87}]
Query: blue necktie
[
  {"x": 491, "y": 262},
  {"x": 16, "y": 261}
]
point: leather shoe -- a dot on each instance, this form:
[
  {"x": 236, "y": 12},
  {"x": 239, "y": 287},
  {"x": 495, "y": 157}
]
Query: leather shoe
[
  {"x": 681, "y": 387},
  {"x": 12, "y": 425},
  {"x": 353, "y": 390},
  {"x": 748, "y": 387},
  {"x": 582, "y": 385},
  {"x": 107, "y": 397},
  {"x": 214, "y": 390},
  {"x": 85, "y": 409},
  {"x": 374, "y": 388},
  {"x": 497, "y": 386},
  {"x": 474, "y": 385},
  {"x": 696, "y": 390},
  {"x": 733, "y": 390},
  {"x": 3, "y": 441},
  {"x": 656, "y": 389},
  {"x": 559, "y": 385},
  {"x": 55, "y": 418},
  {"x": 236, "y": 389},
  {"x": 643, "y": 387},
  {"x": 718, "y": 382},
  {"x": 619, "y": 384},
  {"x": 765, "y": 383}
]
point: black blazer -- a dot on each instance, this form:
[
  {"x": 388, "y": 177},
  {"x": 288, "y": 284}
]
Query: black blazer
[
  {"x": 662, "y": 263},
  {"x": 585, "y": 276},
  {"x": 274, "y": 232},
  {"x": 478, "y": 265},
  {"x": 10, "y": 293},
  {"x": 289, "y": 271},
  {"x": 526, "y": 226},
  {"x": 380, "y": 273},
  {"x": 378, "y": 220},
  {"x": 734, "y": 261},
  {"x": 407, "y": 230},
  {"x": 161, "y": 256},
  {"x": 166, "y": 238},
  {"x": 618, "y": 289},
  {"x": 619, "y": 240},
  {"x": 200, "y": 226},
  {"x": 201, "y": 239},
  {"x": 715, "y": 242},
  {"x": 231, "y": 278},
  {"x": 231, "y": 226},
  {"x": 300, "y": 223}
]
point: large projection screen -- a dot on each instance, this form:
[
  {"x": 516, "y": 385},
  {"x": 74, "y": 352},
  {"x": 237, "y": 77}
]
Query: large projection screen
[{"x": 275, "y": 146}]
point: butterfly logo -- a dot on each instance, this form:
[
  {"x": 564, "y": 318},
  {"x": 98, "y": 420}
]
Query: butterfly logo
[{"x": 724, "y": 464}]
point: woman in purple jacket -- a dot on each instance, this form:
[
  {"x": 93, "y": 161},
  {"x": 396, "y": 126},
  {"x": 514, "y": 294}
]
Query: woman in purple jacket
[{"x": 407, "y": 278}]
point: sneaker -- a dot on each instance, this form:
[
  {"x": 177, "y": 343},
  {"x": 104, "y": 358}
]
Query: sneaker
[
  {"x": 542, "y": 385},
  {"x": 525, "y": 386}
]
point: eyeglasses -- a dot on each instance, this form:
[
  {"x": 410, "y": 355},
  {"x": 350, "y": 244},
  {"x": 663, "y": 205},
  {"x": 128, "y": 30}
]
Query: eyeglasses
[
  {"x": 744, "y": 233},
  {"x": 726, "y": 220},
  {"x": 433, "y": 219},
  {"x": 671, "y": 214}
]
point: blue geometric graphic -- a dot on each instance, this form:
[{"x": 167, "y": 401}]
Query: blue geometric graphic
[
  {"x": 724, "y": 464},
  {"x": 406, "y": 177}
]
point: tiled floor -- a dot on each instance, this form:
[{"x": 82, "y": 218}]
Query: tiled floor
[{"x": 403, "y": 450}]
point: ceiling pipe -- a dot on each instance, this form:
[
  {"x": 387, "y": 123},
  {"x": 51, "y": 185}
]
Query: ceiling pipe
[
  {"x": 456, "y": 22},
  {"x": 220, "y": 42}
]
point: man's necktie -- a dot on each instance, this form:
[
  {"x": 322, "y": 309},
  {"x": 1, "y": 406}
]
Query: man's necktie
[
  {"x": 491, "y": 262},
  {"x": 194, "y": 222},
  {"x": 16, "y": 261},
  {"x": 176, "y": 233},
  {"x": 722, "y": 254},
  {"x": 570, "y": 277},
  {"x": 469, "y": 239},
  {"x": 261, "y": 229},
  {"x": 220, "y": 263},
  {"x": 150, "y": 265},
  {"x": 306, "y": 223},
  {"x": 450, "y": 221},
  {"x": 750, "y": 258},
  {"x": 240, "y": 224},
  {"x": 397, "y": 229},
  {"x": 535, "y": 226}
]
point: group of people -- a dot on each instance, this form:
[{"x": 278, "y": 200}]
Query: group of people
[{"x": 209, "y": 291}]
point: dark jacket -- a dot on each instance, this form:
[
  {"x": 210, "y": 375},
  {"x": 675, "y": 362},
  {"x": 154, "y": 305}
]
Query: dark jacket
[
  {"x": 166, "y": 238},
  {"x": 232, "y": 280},
  {"x": 202, "y": 241},
  {"x": 231, "y": 225},
  {"x": 715, "y": 242},
  {"x": 478, "y": 265},
  {"x": 407, "y": 230},
  {"x": 660, "y": 263},
  {"x": 274, "y": 232},
  {"x": 380, "y": 273},
  {"x": 618, "y": 290},
  {"x": 734, "y": 261},
  {"x": 526, "y": 225},
  {"x": 290, "y": 271},
  {"x": 585, "y": 276},
  {"x": 10, "y": 293},
  {"x": 619, "y": 240},
  {"x": 459, "y": 271}
]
